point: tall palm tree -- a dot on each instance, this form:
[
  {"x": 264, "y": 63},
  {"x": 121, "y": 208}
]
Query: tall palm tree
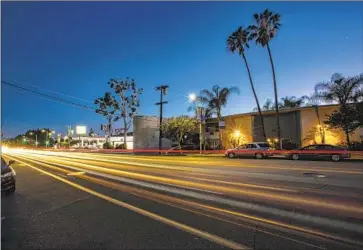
[
  {"x": 340, "y": 90},
  {"x": 292, "y": 101},
  {"x": 216, "y": 100},
  {"x": 267, "y": 25},
  {"x": 238, "y": 43}
]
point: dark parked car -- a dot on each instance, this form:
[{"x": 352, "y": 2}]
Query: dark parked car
[
  {"x": 320, "y": 151},
  {"x": 7, "y": 177}
]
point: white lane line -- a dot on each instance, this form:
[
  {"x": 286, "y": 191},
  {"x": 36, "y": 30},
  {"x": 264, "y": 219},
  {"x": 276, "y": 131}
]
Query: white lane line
[{"x": 240, "y": 204}]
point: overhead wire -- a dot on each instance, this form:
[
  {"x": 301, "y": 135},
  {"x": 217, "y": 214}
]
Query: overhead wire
[{"x": 58, "y": 99}]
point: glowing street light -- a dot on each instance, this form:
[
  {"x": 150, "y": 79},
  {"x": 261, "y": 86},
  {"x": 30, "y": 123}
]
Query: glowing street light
[
  {"x": 192, "y": 97},
  {"x": 237, "y": 133}
]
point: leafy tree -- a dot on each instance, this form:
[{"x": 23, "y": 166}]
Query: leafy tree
[
  {"x": 107, "y": 106},
  {"x": 208, "y": 112},
  {"x": 177, "y": 127},
  {"x": 347, "y": 118},
  {"x": 128, "y": 104},
  {"x": 265, "y": 29},
  {"x": 216, "y": 100},
  {"x": 340, "y": 90},
  {"x": 237, "y": 42}
]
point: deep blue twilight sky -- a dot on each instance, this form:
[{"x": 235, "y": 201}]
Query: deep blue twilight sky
[{"x": 75, "y": 47}]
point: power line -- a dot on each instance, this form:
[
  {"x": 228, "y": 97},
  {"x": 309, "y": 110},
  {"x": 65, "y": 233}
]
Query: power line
[
  {"x": 46, "y": 96},
  {"x": 57, "y": 99},
  {"x": 55, "y": 92}
]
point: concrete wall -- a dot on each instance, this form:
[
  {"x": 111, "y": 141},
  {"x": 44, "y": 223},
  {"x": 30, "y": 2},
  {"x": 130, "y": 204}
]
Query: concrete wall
[
  {"x": 289, "y": 124},
  {"x": 240, "y": 123},
  {"x": 146, "y": 133},
  {"x": 118, "y": 140}
]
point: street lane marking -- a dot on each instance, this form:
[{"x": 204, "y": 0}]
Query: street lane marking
[{"x": 183, "y": 227}]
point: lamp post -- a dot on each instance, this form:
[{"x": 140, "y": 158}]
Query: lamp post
[{"x": 200, "y": 114}]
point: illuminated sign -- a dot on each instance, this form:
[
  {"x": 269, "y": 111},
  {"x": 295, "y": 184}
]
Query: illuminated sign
[{"x": 81, "y": 130}]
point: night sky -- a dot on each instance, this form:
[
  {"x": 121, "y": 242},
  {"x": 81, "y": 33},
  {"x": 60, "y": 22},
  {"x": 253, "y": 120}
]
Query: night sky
[{"x": 74, "y": 48}]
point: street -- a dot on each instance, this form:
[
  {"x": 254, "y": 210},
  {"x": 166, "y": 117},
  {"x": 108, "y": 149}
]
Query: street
[{"x": 94, "y": 200}]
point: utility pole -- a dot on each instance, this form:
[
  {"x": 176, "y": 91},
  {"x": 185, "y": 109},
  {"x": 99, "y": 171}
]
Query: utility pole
[{"x": 163, "y": 90}]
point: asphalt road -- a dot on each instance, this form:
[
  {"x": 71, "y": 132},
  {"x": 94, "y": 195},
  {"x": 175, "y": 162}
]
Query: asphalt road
[{"x": 90, "y": 200}]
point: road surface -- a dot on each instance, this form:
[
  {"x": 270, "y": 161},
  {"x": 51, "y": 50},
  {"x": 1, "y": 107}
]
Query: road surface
[{"x": 90, "y": 200}]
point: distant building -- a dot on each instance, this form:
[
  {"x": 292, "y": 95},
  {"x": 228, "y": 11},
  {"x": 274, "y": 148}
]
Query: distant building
[
  {"x": 146, "y": 133},
  {"x": 98, "y": 141}
]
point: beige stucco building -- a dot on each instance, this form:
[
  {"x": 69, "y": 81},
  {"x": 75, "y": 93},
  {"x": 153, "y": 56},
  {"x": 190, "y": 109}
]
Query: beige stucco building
[{"x": 299, "y": 127}]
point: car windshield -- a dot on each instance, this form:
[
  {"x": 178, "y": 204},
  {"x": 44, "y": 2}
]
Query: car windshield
[{"x": 263, "y": 145}]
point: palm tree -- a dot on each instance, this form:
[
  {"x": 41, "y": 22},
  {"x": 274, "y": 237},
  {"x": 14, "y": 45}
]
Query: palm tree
[
  {"x": 292, "y": 101},
  {"x": 267, "y": 25},
  {"x": 267, "y": 106},
  {"x": 238, "y": 43},
  {"x": 340, "y": 90},
  {"x": 216, "y": 100}
]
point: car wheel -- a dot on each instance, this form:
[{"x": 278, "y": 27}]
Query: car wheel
[
  {"x": 335, "y": 158},
  {"x": 295, "y": 157},
  {"x": 231, "y": 155},
  {"x": 258, "y": 156}
]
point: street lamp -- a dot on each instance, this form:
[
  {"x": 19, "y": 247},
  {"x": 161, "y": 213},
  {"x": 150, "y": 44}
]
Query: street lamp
[
  {"x": 200, "y": 113},
  {"x": 192, "y": 97}
]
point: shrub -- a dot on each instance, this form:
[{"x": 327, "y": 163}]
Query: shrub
[
  {"x": 121, "y": 146},
  {"x": 107, "y": 145}
]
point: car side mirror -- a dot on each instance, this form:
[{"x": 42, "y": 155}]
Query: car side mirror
[{"x": 11, "y": 162}]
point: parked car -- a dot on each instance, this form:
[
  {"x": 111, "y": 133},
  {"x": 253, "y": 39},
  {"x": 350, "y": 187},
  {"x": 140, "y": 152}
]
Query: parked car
[
  {"x": 259, "y": 150},
  {"x": 175, "y": 150},
  {"x": 320, "y": 151},
  {"x": 7, "y": 177}
]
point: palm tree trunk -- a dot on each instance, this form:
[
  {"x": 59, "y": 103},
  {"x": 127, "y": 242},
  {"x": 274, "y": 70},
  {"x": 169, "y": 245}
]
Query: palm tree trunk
[
  {"x": 276, "y": 99},
  {"x": 255, "y": 95},
  {"x": 219, "y": 117},
  {"x": 347, "y": 137}
]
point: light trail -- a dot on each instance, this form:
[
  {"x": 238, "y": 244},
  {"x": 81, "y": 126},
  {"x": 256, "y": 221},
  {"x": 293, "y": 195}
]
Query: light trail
[
  {"x": 175, "y": 224},
  {"x": 352, "y": 208},
  {"x": 197, "y": 162},
  {"x": 172, "y": 201},
  {"x": 273, "y": 211}
]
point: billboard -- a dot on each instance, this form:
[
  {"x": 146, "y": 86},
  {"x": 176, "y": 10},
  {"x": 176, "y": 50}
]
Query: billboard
[{"x": 81, "y": 130}]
